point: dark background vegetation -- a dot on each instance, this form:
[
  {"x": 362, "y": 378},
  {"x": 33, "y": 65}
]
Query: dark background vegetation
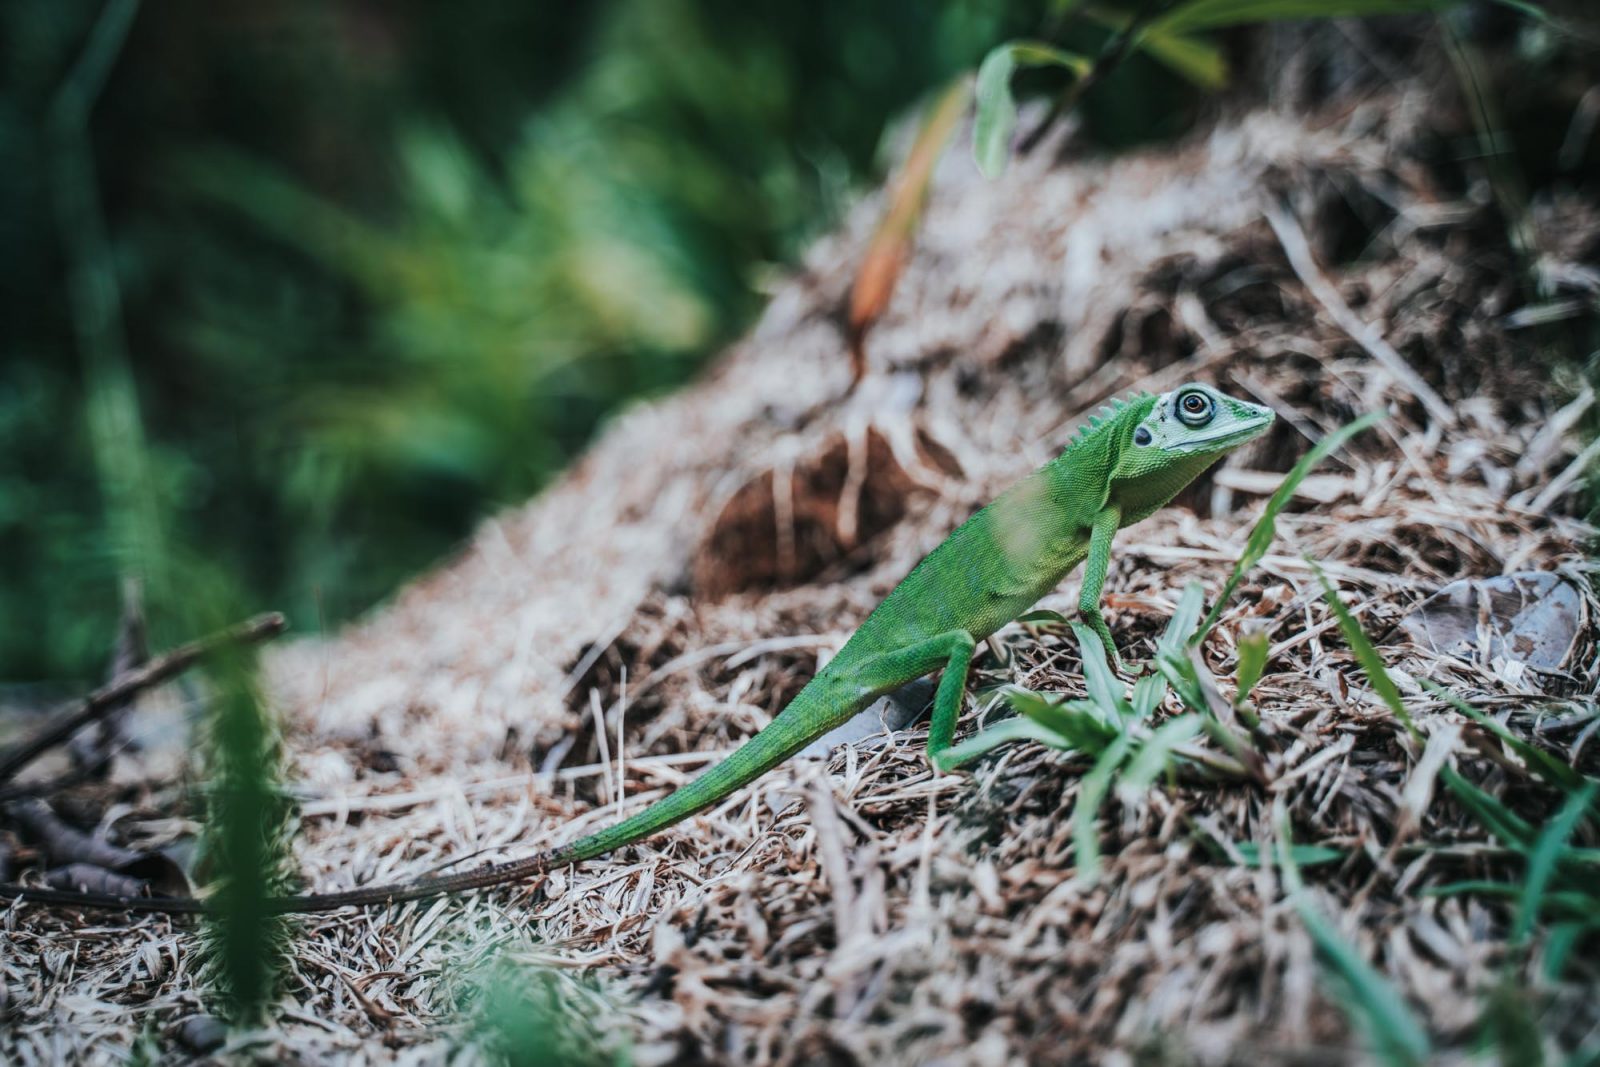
[{"x": 383, "y": 267}]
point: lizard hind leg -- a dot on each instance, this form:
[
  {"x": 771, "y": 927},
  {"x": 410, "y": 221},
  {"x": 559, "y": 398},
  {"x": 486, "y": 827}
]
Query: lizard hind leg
[
  {"x": 952, "y": 650},
  {"x": 948, "y": 697}
]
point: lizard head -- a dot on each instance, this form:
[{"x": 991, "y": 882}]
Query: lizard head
[{"x": 1185, "y": 431}]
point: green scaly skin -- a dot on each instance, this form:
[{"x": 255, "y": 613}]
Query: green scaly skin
[{"x": 1128, "y": 462}]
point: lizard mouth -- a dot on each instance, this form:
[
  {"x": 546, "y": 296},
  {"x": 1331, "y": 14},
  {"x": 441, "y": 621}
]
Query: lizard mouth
[{"x": 1238, "y": 435}]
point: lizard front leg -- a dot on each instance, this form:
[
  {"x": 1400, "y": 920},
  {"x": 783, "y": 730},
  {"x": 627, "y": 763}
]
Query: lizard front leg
[{"x": 1101, "y": 532}]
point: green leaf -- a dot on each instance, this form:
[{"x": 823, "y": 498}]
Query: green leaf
[
  {"x": 1181, "y": 627},
  {"x": 1155, "y": 754},
  {"x": 1546, "y": 853},
  {"x": 997, "y": 108},
  {"x": 1199, "y": 61},
  {"x": 1172, "y": 658},
  {"x": 1266, "y": 527},
  {"x": 1091, "y": 792},
  {"x": 1570, "y": 903},
  {"x": 1018, "y": 729},
  {"x": 1104, "y": 689},
  {"x": 1538, "y": 760},
  {"x": 1043, "y": 617},
  {"x": 1148, "y": 692},
  {"x": 1371, "y": 663},
  {"x": 1075, "y": 724},
  {"x": 1302, "y": 855},
  {"x": 1558, "y": 946},
  {"x": 1252, "y": 662},
  {"x": 1216, "y": 14},
  {"x": 1179, "y": 672}
]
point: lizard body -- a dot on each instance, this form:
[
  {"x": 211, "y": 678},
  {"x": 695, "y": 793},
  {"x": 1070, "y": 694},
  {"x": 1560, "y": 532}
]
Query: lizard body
[{"x": 1126, "y": 463}]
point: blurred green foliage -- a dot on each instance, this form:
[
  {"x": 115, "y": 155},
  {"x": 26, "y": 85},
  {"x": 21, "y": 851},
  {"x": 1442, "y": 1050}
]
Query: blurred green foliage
[
  {"x": 520, "y": 1012},
  {"x": 384, "y": 267}
]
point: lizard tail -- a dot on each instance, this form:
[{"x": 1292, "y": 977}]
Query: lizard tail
[{"x": 802, "y": 721}]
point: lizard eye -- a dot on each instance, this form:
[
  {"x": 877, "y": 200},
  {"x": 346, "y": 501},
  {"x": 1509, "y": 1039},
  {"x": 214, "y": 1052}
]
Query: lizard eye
[
  {"x": 1141, "y": 436},
  {"x": 1194, "y": 409}
]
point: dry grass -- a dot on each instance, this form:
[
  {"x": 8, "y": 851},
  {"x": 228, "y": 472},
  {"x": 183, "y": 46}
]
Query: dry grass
[{"x": 862, "y": 909}]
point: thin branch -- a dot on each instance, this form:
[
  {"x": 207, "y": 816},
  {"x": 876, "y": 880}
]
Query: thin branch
[
  {"x": 1111, "y": 57},
  {"x": 104, "y": 700}
]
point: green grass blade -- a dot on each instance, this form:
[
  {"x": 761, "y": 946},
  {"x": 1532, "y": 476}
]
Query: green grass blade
[
  {"x": 1148, "y": 692},
  {"x": 1044, "y": 618},
  {"x": 1498, "y": 819},
  {"x": 1155, "y": 754},
  {"x": 1558, "y": 945},
  {"x": 1302, "y": 855},
  {"x": 1085, "y": 814},
  {"x": 1538, "y": 760},
  {"x": 1181, "y": 627},
  {"x": 1566, "y": 904},
  {"x": 1376, "y": 1005},
  {"x": 1199, "y": 61},
  {"x": 1180, "y": 675},
  {"x": 1266, "y": 527},
  {"x": 1546, "y": 853},
  {"x": 1479, "y": 886},
  {"x": 1217, "y": 14},
  {"x": 1078, "y": 724},
  {"x": 1104, "y": 689},
  {"x": 1252, "y": 662},
  {"x": 1372, "y": 664},
  {"x": 1018, "y": 729}
]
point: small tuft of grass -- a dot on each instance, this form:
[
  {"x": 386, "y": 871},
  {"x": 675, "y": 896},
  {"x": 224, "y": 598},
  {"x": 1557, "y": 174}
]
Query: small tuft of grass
[
  {"x": 1365, "y": 995},
  {"x": 1112, "y": 726},
  {"x": 522, "y": 1014}
]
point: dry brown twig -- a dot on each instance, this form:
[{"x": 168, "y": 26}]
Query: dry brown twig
[{"x": 105, "y": 700}]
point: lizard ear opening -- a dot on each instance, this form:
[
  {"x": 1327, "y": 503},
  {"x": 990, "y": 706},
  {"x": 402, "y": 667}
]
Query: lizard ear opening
[{"x": 1141, "y": 436}]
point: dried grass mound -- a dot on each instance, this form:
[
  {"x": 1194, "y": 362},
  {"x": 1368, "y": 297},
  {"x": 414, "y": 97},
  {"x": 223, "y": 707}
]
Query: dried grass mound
[{"x": 587, "y": 653}]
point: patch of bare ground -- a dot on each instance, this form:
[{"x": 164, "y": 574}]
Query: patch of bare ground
[{"x": 589, "y": 652}]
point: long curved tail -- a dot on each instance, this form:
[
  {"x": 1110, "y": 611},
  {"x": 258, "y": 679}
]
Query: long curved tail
[{"x": 806, "y": 718}]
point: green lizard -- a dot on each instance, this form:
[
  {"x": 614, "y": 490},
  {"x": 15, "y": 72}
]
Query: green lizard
[{"x": 1128, "y": 462}]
